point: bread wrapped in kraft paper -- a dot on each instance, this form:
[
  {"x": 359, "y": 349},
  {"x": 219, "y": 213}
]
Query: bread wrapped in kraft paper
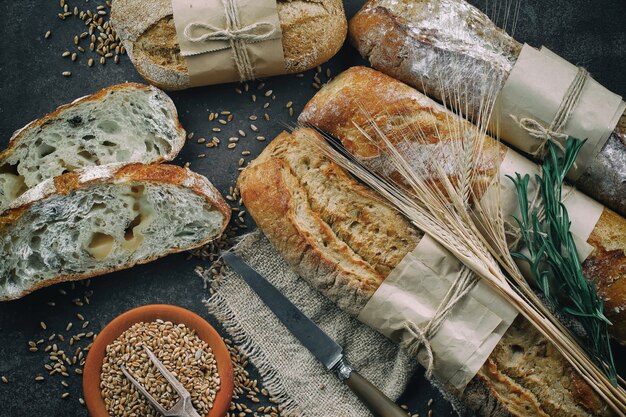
[
  {"x": 441, "y": 46},
  {"x": 178, "y": 44},
  {"x": 399, "y": 110},
  {"x": 341, "y": 238}
]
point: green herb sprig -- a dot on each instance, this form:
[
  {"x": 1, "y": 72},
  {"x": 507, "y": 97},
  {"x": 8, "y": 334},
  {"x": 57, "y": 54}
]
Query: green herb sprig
[{"x": 552, "y": 255}]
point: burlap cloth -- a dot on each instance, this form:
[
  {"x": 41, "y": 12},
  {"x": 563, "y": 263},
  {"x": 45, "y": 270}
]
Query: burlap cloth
[{"x": 296, "y": 379}]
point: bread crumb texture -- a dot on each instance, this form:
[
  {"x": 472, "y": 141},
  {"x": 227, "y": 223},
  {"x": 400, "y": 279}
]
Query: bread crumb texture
[{"x": 114, "y": 220}]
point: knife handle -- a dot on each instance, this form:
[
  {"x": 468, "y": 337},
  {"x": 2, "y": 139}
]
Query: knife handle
[{"x": 377, "y": 402}]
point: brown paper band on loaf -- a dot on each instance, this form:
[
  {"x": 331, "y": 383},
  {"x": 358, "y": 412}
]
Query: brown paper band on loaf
[
  {"x": 229, "y": 40},
  {"x": 527, "y": 112}
]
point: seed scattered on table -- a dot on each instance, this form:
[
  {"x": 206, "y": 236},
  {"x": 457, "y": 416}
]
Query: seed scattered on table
[{"x": 47, "y": 35}]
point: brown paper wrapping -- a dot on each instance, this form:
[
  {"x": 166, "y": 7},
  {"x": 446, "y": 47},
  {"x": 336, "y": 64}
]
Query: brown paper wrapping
[
  {"x": 212, "y": 62},
  {"x": 535, "y": 89},
  {"x": 414, "y": 289}
]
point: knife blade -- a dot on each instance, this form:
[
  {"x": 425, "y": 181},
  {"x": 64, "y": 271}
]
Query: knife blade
[{"x": 324, "y": 348}]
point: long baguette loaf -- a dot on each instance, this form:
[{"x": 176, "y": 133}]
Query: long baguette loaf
[
  {"x": 340, "y": 237},
  {"x": 437, "y": 45},
  {"x": 102, "y": 219},
  {"x": 313, "y": 31},
  {"x": 122, "y": 123},
  {"x": 399, "y": 109}
]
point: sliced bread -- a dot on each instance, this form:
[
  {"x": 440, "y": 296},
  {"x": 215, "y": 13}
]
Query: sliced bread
[
  {"x": 122, "y": 123},
  {"x": 101, "y": 219}
]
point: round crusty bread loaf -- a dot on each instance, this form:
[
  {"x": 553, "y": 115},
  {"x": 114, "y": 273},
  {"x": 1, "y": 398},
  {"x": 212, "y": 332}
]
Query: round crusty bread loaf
[
  {"x": 341, "y": 238},
  {"x": 313, "y": 31}
]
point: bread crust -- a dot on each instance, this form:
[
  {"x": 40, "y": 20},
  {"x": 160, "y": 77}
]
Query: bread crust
[
  {"x": 335, "y": 108},
  {"x": 99, "y": 95},
  {"x": 314, "y": 244},
  {"x": 118, "y": 174},
  {"x": 511, "y": 383},
  {"x": 433, "y": 45},
  {"x": 313, "y": 31}
]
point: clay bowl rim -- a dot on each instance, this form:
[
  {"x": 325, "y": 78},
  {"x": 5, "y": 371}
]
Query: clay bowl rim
[{"x": 95, "y": 357}]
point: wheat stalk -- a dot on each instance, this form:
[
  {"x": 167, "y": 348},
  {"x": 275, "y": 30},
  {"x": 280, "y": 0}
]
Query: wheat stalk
[{"x": 440, "y": 212}]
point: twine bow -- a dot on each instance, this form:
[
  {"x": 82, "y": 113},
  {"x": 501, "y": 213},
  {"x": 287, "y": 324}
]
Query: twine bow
[
  {"x": 235, "y": 34},
  {"x": 553, "y": 133},
  {"x": 420, "y": 337}
]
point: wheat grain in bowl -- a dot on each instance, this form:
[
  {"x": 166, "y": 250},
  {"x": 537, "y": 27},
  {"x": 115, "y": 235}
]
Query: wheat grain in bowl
[{"x": 181, "y": 351}]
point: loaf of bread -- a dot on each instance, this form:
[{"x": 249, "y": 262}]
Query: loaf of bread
[
  {"x": 341, "y": 238},
  {"x": 399, "y": 110},
  {"x": 312, "y": 32},
  {"x": 102, "y": 219},
  {"x": 445, "y": 45},
  {"x": 123, "y": 123}
]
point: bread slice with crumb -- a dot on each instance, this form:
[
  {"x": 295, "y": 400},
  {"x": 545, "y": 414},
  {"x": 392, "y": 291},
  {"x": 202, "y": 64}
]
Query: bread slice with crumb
[
  {"x": 122, "y": 123},
  {"x": 313, "y": 31},
  {"x": 102, "y": 219}
]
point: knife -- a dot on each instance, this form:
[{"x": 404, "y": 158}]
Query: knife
[{"x": 325, "y": 349}]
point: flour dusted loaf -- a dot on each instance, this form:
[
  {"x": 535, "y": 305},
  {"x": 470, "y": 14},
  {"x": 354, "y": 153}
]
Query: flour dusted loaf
[
  {"x": 313, "y": 31},
  {"x": 400, "y": 110},
  {"x": 446, "y": 45},
  {"x": 340, "y": 237},
  {"x": 122, "y": 123},
  {"x": 102, "y": 219}
]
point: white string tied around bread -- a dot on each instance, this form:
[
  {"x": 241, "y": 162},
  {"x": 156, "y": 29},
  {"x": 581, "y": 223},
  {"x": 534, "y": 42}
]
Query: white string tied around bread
[
  {"x": 554, "y": 132},
  {"x": 235, "y": 34},
  {"x": 420, "y": 337}
]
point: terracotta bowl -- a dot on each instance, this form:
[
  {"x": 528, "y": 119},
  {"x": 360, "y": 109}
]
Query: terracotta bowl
[{"x": 177, "y": 315}]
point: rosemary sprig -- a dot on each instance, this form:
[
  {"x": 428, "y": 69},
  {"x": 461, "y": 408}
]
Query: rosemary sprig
[{"x": 552, "y": 255}]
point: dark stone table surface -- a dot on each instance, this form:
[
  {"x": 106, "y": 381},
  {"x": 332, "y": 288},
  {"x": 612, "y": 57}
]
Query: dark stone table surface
[{"x": 587, "y": 32}]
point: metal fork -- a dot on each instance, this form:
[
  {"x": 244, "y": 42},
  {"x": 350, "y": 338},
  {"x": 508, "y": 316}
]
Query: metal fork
[{"x": 182, "y": 408}]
